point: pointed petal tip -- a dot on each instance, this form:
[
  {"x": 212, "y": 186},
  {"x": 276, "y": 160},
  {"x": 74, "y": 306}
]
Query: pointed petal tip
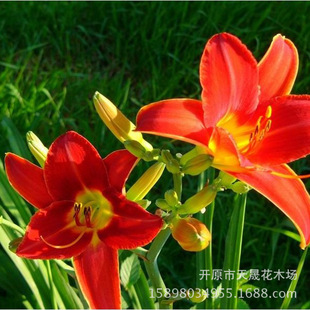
[{"x": 278, "y": 68}]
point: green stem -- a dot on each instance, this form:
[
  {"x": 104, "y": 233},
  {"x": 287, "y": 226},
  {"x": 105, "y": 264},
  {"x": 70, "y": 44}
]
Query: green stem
[
  {"x": 292, "y": 287},
  {"x": 233, "y": 253},
  {"x": 134, "y": 297},
  {"x": 177, "y": 184},
  {"x": 204, "y": 258},
  {"x": 143, "y": 291},
  {"x": 152, "y": 267}
]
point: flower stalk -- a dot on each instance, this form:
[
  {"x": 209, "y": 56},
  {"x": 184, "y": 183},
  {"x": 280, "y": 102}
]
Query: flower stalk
[
  {"x": 233, "y": 252},
  {"x": 204, "y": 258}
]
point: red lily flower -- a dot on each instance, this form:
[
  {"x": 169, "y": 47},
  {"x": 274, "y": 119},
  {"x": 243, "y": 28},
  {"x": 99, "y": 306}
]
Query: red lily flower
[
  {"x": 246, "y": 120},
  {"x": 82, "y": 213}
]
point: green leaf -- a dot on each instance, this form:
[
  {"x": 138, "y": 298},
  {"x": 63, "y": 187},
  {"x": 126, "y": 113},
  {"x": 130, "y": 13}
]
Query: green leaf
[
  {"x": 130, "y": 271},
  {"x": 244, "y": 278},
  {"x": 16, "y": 140},
  {"x": 67, "y": 294},
  {"x": 241, "y": 304}
]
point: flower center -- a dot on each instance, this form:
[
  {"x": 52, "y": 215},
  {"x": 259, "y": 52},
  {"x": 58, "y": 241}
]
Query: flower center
[
  {"x": 92, "y": 210},
  {"x": 263, "y": 125}
]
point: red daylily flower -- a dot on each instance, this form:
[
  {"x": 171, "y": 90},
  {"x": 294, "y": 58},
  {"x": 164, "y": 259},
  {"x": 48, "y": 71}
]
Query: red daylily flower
[
  {"x": 246, "y": 120},
  {"x": 82, "y": 213}
]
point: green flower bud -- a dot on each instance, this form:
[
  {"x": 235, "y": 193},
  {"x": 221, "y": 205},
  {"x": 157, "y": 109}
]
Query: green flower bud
[
  {"x": 198, "y": 164},
  {"x": 122, "y": 128},
  {"x": 240, "y": 187},
  {"x": 199, "y": 295},
  {"x": 166, "y": 156},
  {"x": 226, "y": 179},
  {"x": 199, "y": 201},
  {"x": 162, "y": 204},
  {"x": 135, "y": 148},
  {"x": 146, "y": 182},
  {"x": 36, "y": 147},
  {"x": 144, "y": 203},
  {"x": 173, "y": 166},
  {"x": 197, "y": 150},
  {"x": 171, "y": 197},
  {"x": 14, "y": 244}
]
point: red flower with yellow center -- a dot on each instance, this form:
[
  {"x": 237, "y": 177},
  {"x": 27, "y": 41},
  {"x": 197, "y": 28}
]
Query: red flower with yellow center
[
  {"x": 246, "y": 120},
  {"x": 82, "y": 213}
]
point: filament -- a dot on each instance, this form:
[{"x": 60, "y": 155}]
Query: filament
[{"x": 290, "y": 176}]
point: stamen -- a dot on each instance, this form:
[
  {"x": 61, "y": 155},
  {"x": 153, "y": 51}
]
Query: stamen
[
  {"x": 87, "y": 214},
  {"x": 263, "y": 125},
  {"x": 268, "y": 112},
  {"x": 65, "y": 246},
  {"x": 77, "y": 208},
  {"x": 268, "y": 125}
]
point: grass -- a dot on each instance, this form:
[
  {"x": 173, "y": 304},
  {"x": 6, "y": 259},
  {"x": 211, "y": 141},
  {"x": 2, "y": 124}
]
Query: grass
[{"x": 54, "y": 56}]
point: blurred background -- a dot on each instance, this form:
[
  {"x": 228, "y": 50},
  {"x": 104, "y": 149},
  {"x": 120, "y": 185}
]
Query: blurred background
[{"x": 54, "y": 56}]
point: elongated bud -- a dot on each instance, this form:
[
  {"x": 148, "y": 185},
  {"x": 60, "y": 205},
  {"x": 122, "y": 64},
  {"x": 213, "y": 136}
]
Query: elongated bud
[
  {"x": 240, "y": 188},
  {"x": 135, "y": 148},
  {"x": 36, "y": 147},
  {"x": 144, "y": 203},
  {"x": 146, "y": 182},
  {"x": 199, "y": 201},
  {"x": 172, "y": 164},
  {"x": 117, "y": 122},
  {"x": 197, "y": 164},
  {"x": 14, "y": 244},
  {"x": 199, "y": 295},
  {"x": 226, "y": 179},
  {"x": 166, "y": 156},
  {"x": 197, "y": 150},
  {"x": 162, "y": 204},
  {"x": 191, "y": 234},
  {"x": 171, "y": 197}
]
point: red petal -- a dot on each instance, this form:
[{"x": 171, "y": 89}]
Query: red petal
[
  {"x": 180, "y": 119},
  {"x": 119, "y": 164},
  {"x": 57, "y": 227},
  {"x": 72, "y": 165},
  {"x": 288, "y": 138},
  {"x": 131, "y": 226},
  {"x": 229, "y": 78},
  {"x": 27, "y": 179},
  {"x": 97, "y": 272},
  {"x": 289, "y": 195},
  {"x": 278, "y": 68}
]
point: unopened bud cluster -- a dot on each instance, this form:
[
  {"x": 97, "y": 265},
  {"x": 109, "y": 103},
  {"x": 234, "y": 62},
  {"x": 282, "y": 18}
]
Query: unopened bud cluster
[
  {"x": 227, "y": 181},
  {"x": 172, "y": 164}
]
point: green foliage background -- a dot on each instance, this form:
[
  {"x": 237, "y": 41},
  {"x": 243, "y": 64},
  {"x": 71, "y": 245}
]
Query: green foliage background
[{"x": 54, "y": 56}]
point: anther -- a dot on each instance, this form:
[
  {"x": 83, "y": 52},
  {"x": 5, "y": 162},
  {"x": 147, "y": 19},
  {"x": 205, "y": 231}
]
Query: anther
[
  {"x": 87, "y": 214},
  {"x": 77, "y": 208},
  {"x": 268, "y": 112}
]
